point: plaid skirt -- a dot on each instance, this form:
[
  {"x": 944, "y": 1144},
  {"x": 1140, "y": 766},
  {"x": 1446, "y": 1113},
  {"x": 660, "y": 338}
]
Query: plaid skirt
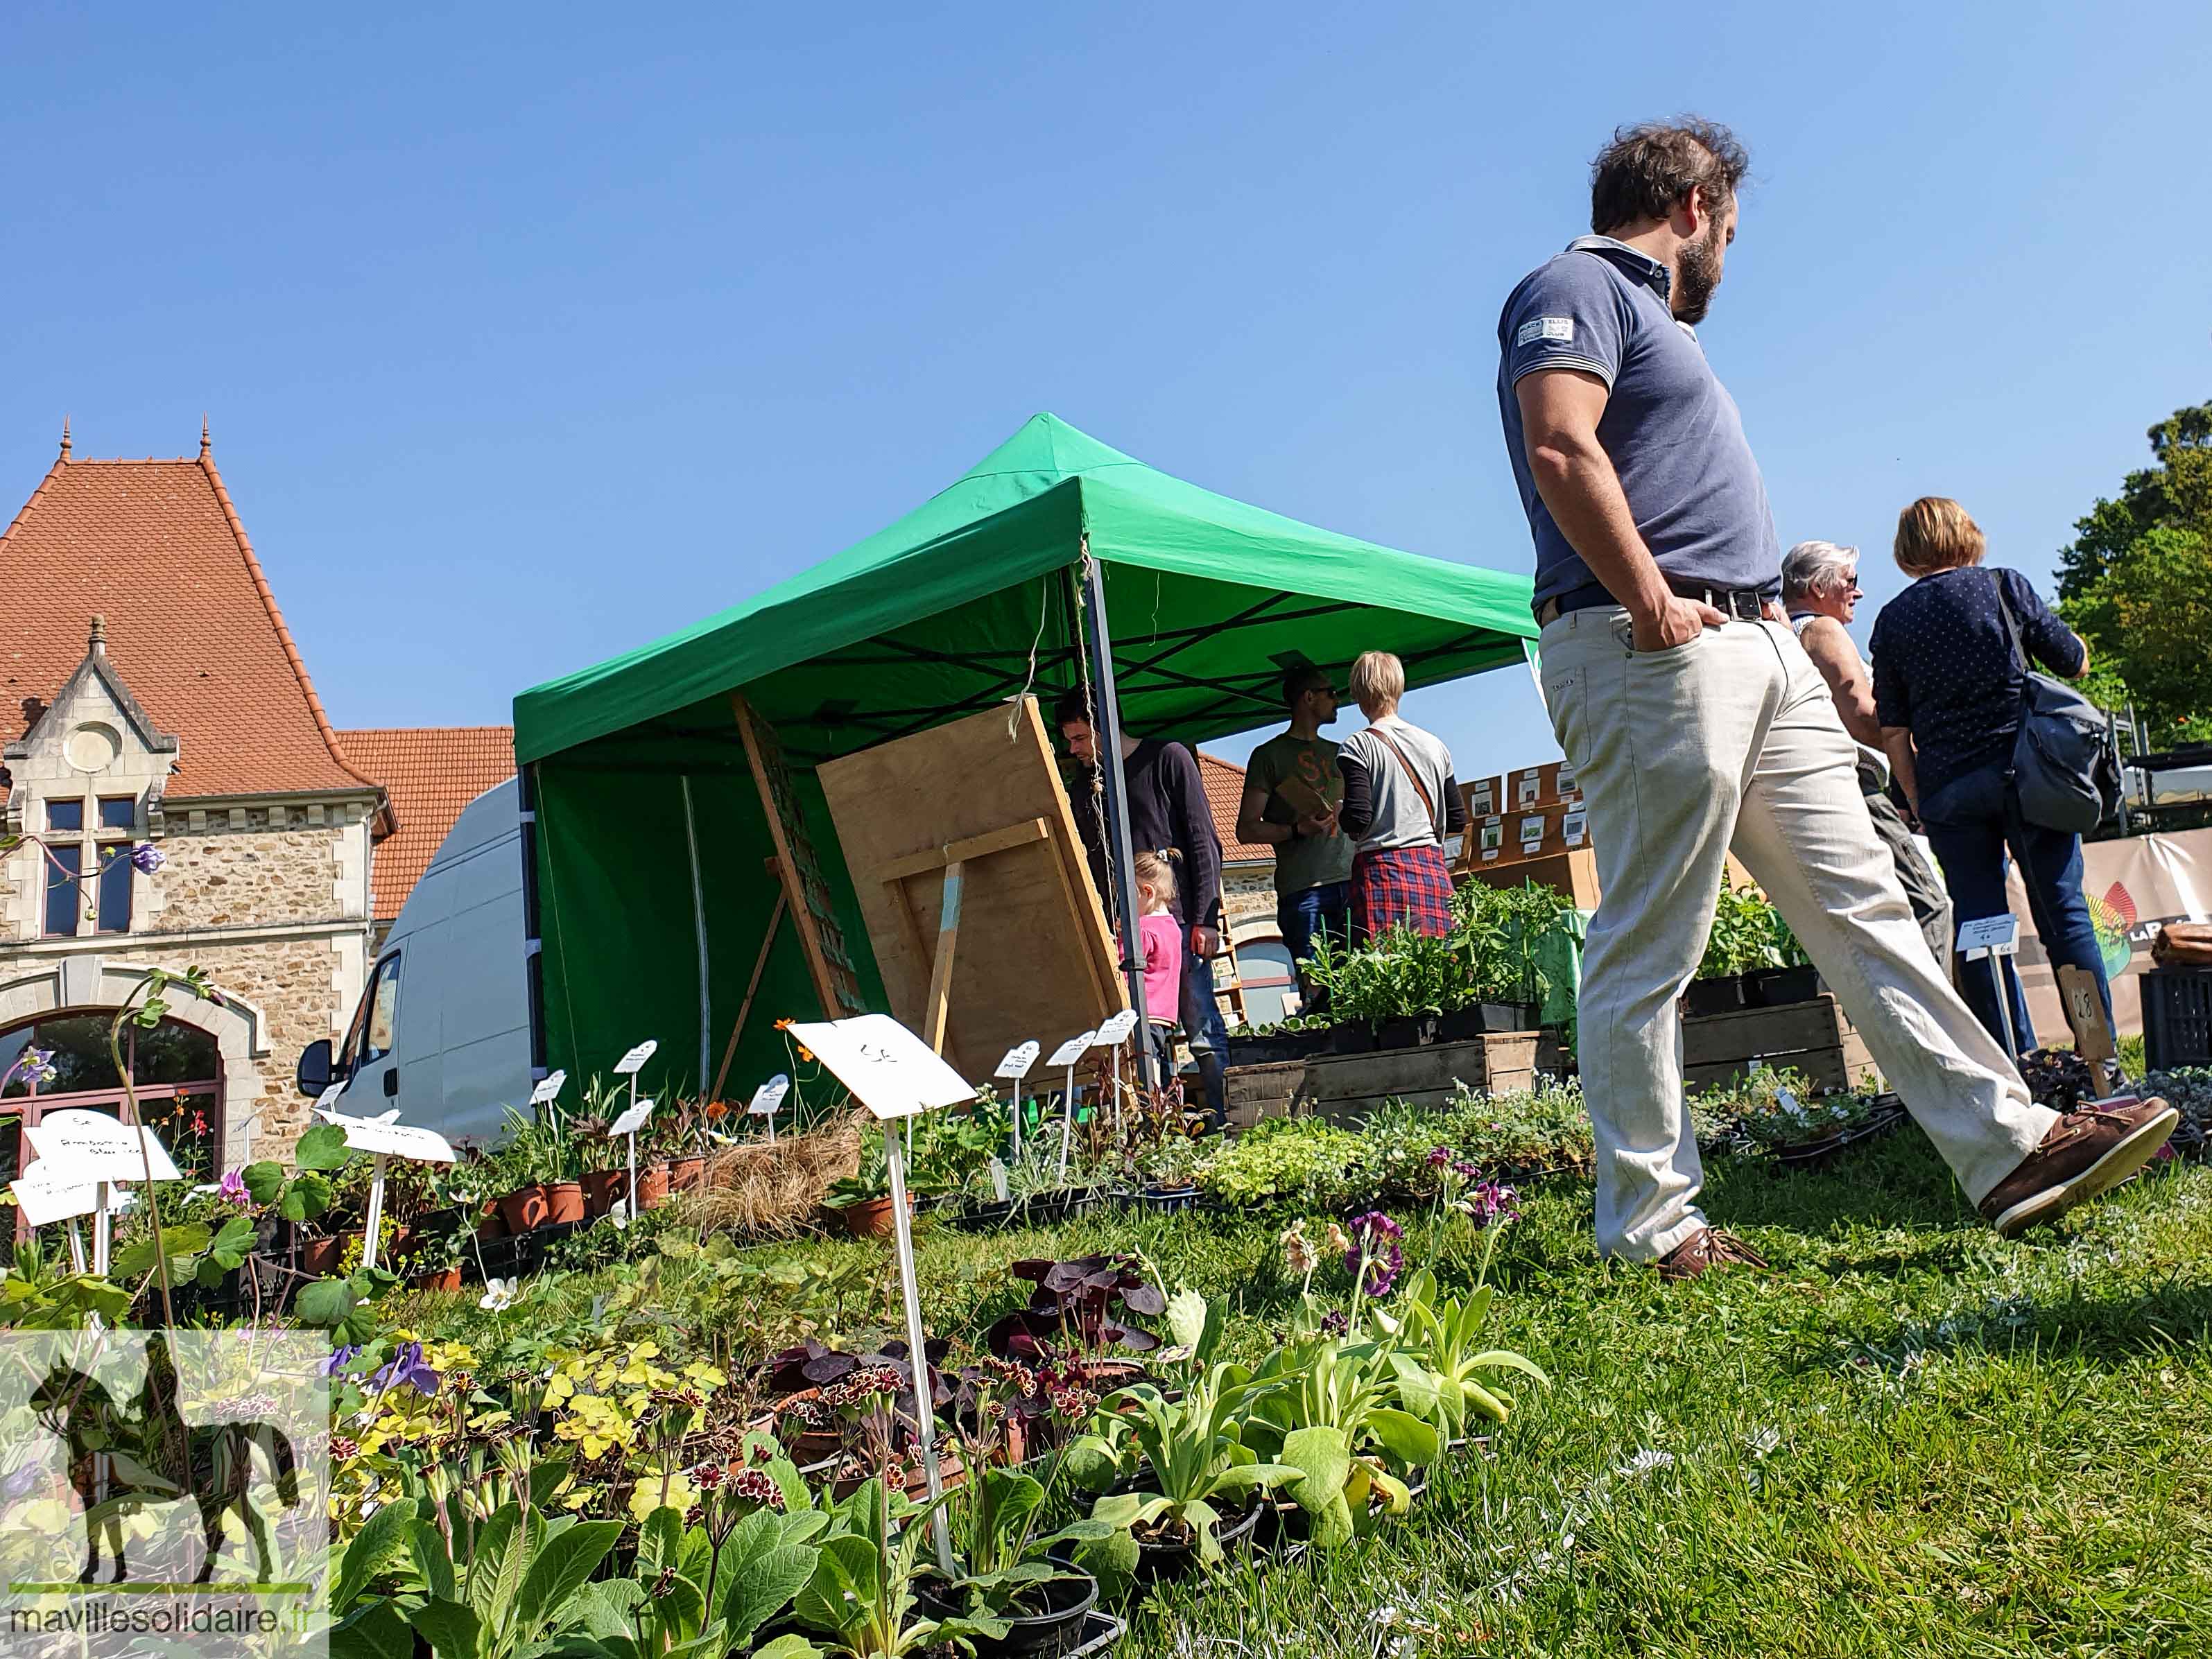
[{"x": 1412, "y": 885}]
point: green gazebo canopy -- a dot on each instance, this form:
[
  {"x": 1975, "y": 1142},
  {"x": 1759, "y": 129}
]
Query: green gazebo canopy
[{"x": 651, "y": 900}]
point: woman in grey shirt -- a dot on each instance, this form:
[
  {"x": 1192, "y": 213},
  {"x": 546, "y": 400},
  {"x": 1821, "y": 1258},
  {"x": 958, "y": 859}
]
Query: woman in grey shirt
[{"x": 1400, "y": 800}]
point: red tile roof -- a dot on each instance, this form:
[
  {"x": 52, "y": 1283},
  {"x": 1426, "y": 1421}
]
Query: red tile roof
[
  {"x": 192, "y": 628},
  {"x": 433, "y": 772},
  {"x": 1224, "y": 789}
]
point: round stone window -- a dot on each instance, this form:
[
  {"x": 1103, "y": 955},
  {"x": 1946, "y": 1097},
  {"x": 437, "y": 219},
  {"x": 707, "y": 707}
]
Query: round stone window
[{"x": 93, "y": 748}]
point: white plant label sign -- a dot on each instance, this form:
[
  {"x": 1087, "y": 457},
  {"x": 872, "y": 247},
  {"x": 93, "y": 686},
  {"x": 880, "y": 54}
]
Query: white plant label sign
[
  {"x": 385, "y": 1138},
  {"x": 890, "y": 1070},
  {"x": 1998, "y": 933},
  {"x": 1018, "y": 1061},
  {"x": 631, "y": 1121},
  {"x": 631, "y": 1063},
  {"x": 1115, "y": 1031},
  {"x": 94, "y": 1146},
  {"x": 550, "y": 1086},
  {"x": 1071, "y": 1050},
  {"x": 767, "y": 1099},
  {"x": 50, "y": 1190}
]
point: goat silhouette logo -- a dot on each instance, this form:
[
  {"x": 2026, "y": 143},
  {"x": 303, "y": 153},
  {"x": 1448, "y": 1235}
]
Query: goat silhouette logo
[{"x": 163, "y": 1489}]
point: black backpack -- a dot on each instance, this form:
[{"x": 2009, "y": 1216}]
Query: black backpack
[{"x": 2061, "y": 765}]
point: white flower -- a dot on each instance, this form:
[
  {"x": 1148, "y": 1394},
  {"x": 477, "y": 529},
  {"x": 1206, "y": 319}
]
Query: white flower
[
  {"x": 498, "y": 1295},
  {"x": 618, "y": 1213},
  {"x": 1646, "y": 1461}
]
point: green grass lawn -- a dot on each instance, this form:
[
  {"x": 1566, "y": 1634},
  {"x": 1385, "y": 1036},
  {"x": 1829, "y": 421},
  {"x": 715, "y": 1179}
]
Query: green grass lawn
[{"x": 1910, "y": 1439}]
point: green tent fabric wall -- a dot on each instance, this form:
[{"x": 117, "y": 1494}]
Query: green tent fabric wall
[{"x": 967, "y": 600}]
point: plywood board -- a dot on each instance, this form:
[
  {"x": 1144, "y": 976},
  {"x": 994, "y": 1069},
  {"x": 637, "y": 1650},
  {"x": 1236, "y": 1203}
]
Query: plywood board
[
  {"x": 807, "y": 892},
  {"x": 1033, "y": 957}
]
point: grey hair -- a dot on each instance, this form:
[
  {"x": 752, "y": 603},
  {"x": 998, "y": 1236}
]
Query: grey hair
[{"x": 1811, "y": 568}]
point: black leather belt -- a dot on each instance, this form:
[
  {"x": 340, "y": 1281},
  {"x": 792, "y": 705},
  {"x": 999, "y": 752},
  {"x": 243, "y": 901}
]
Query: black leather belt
[{"x": 1738, "y": 604}]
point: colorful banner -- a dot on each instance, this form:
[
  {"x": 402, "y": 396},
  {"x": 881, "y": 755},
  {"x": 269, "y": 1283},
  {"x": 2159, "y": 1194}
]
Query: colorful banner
[{"x": 2134, "y": 886}]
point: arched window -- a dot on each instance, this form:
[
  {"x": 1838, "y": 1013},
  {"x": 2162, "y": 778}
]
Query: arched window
[
  {"x": 1270, "y": 982},
  {"x": 176, "y": 1071}
]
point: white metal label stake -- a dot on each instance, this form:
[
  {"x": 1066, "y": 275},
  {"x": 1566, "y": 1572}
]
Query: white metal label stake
[
  {"x": 1111, "y": 1036},
  {"x": 1995, "y": 937},
  {"x": 897, "y": 1075},
  {"x": 383, "y": 1139},
  {"x": 628, "y": 1125},
  {"x": 768, "y": 1100},
  {"x": 1066, "y": 1055},
  {"x": 1016, "y": 1067}
]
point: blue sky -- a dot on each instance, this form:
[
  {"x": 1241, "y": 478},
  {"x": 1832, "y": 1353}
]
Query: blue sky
[{"x": 529, "y": 333}]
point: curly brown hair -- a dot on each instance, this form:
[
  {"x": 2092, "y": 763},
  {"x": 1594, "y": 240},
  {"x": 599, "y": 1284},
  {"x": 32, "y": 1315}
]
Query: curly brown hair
[{"x": 1650, "y": 168}]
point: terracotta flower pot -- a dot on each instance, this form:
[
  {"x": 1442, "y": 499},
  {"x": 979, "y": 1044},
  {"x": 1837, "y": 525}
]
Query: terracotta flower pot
[
  {"x": 564, "y": 1201},
  {"x": 601, "y": 1189},
  {"x": 492, "y": 1224},
  {"x": 444, "y": 1278},
  {"x": 653, "y": 1186},
  {"x": 872, "y": 1218},
  {"x": 687, "y": 1174},
  {"x": 524, "y": 1209},
  {"x": 320, "y": 1255}
]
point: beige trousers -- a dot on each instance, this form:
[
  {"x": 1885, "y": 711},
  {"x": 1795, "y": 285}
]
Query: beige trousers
[{"x": 1732, "y": 740}]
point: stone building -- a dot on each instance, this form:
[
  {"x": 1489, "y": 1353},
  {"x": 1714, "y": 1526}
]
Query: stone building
[{"x": 156, "y": 699}]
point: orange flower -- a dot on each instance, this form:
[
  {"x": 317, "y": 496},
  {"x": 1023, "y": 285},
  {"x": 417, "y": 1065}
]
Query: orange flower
[
  {"x": 783, "y": 1025},
  {"x": 806, "y": 1055},
  {"x": 717, "y": 1109}
]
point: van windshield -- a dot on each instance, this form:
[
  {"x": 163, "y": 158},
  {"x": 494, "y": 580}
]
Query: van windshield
[{"x": 383, "y": 1011}]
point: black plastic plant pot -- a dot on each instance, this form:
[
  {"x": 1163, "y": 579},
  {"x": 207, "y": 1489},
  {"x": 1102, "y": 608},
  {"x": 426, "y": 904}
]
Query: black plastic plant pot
[
  {"x": 1052, "y": 1634},
  {"x": 1165, "y": 1563},
  {"x": 982, "y": 1218},
  {"x": 1168, "y": 1200},
  {"x": 1778, "y": 987},
  {"x": 1408, "y": 1030},
  {"x": 1716, "y": 996},
  {"x": 1353, "y": 1037}
]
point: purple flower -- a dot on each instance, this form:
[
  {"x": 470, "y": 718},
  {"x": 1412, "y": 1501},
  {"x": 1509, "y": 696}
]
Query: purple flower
[
  {"x": 339, "y": 1360},
  {"x": 1438, "y": 1157},
  {"x": 1374, "y": 1250},
  {"x": 35, "y": 1066},
  {"x": 1487, "y": 1202},
  {"x": 232, "y": 1187},
  {"x": 146, "y": 858},
  {"x": 20, "y": 1482},
  {"x": 407, "y": 1367},
  {"x": 1335, "y": 1322}
]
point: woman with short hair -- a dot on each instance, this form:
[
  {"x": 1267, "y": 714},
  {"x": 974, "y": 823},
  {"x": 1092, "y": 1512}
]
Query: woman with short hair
[
  {"x": 1947, "y": 686},
  {"x": 1400, "y": 800},
  {"x": 1821, "y": 592}
]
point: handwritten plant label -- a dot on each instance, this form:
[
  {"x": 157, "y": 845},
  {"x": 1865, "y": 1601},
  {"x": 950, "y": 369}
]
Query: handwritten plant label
[
  {"x": 1116, "y": 1030},
  {"x": 768, "y": 1098},
  {"x": 890, "y": 1070},
  {"x": 1071, "y": 1050},
  {"x": 1018, "y": 1059},
  {"x": 549, "y": 1087},
  {"x": 631, "y": 1121},
  {"x": 50, "y": 1190},
  {"x": 634, "y": 1061},
  {"x": 327, "y": 1102},
  {"x": 94, "y": 1146},
  {"x": 383, "y": 1138},
  {"x": 1998, "y": 933}
]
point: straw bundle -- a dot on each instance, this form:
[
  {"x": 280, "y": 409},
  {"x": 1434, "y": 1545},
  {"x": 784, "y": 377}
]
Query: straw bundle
[{"x": 772, "y": 1189}]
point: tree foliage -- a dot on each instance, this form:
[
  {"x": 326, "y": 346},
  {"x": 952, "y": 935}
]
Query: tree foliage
[{"x": 2136, "y": 584}]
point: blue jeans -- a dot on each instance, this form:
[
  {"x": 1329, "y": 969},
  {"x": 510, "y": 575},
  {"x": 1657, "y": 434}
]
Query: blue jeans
[
  {"x": 1971, "y": 822},
  {"x": 1205, "y": 1031},
  {"x": 1323, "y": 909}
]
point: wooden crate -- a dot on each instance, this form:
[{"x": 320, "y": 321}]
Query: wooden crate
[
  {"x": 1812, "y": 1037},
  {"x": 1345, "y": 1088},
  {"x": 1573, "y": 872}
]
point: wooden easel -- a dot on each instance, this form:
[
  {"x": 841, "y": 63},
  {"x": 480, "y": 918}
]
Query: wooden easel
[{"x": 954, "y": 859}]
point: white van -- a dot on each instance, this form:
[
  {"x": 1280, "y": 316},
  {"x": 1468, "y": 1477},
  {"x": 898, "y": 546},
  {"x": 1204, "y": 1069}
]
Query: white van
[{"x": 443, "y": 1030}]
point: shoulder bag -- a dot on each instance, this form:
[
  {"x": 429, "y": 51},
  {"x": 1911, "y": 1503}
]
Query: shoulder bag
[
  {"x": 2061, "y": 765},
  {"x": 1436, "y": 824}
]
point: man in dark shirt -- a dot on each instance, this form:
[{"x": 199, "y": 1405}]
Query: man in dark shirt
[
  {"x": 1169, "y": 814},
  {"x": 1696, "y": 723}
]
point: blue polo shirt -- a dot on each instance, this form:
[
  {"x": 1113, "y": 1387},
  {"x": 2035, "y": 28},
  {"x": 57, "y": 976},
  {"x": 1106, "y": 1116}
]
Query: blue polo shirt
[{"x": 1669, "y": 426}]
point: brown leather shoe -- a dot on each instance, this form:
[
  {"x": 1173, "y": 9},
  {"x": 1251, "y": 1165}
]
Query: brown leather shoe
[
  {"x": 1705, "y": 1250},
  {"x": 2087, "y": 1153}
]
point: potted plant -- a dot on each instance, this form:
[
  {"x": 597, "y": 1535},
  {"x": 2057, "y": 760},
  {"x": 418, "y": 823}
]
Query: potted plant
[
  {"x": 685, "y": 1136},
  {"x": 1079, "y": 1310},
  {"x": 1742, "y": 940},
  {"x": 1794, "y": 979},
  {"x": 1441, "y": 1353},
  {"x": 521, "y": 1163},
  {"x": 434, "y": 1261},
  {"x": 861, "y": 1595},
  {"x": 1017, "y": 1583},
  {"x": 1191, "y": 1484},
  {"x": 863, "y": 1199}
]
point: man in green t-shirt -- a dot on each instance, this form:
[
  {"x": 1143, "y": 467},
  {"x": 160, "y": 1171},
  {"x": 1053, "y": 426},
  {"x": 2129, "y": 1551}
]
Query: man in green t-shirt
[{"x": 1291, "y": 793}]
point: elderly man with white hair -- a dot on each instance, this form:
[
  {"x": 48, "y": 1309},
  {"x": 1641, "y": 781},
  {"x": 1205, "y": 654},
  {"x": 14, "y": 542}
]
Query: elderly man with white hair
[{"x": 1820, "y": 590}]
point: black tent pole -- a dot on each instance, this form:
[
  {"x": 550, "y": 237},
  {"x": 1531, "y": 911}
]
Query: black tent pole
[{"x": 1122, "y": 855}]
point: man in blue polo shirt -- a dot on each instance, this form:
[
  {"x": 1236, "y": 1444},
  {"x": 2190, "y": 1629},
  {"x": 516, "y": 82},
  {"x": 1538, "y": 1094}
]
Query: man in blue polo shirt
[{"x": 1696, "y": 722}]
